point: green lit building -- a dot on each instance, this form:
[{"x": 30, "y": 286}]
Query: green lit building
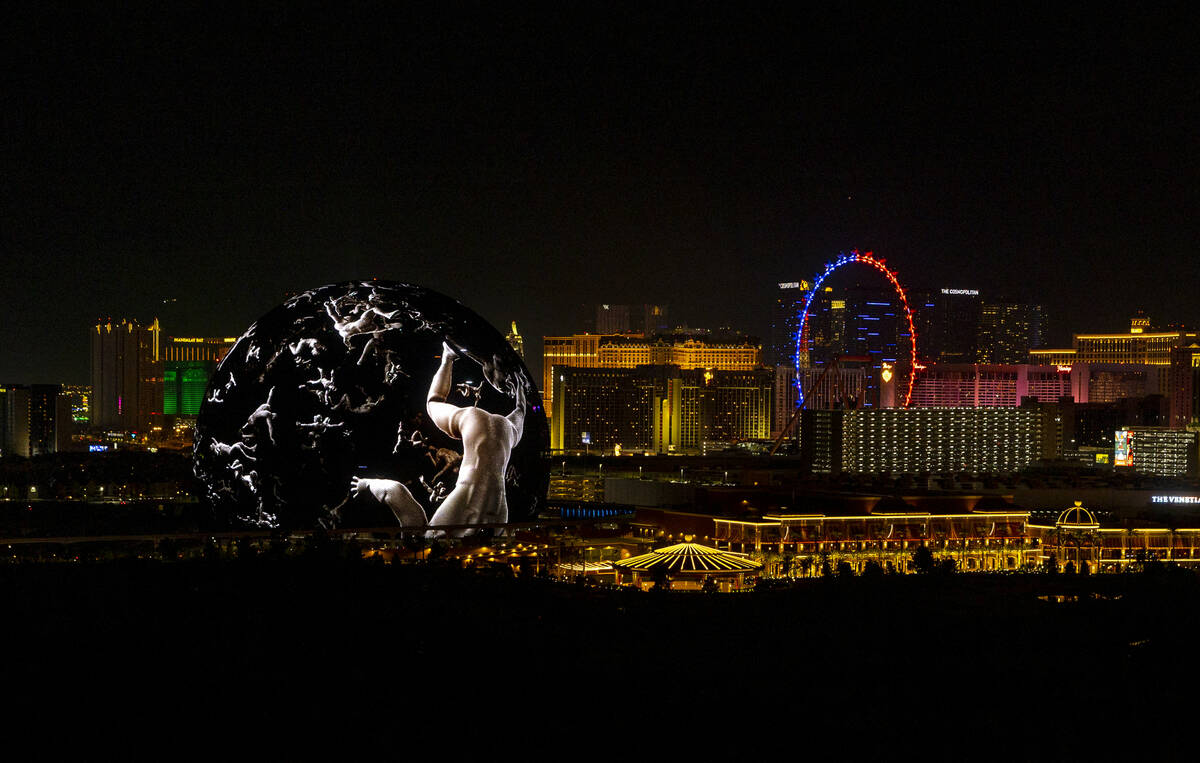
[{"x": 188, "y": 363}]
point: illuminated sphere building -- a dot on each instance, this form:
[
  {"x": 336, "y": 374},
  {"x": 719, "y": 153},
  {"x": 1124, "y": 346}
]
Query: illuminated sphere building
[{"x": 371, "y": 404}]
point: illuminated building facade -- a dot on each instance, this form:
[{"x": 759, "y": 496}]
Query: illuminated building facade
[
  {"x": 1158, "y": 451},
  {"x": 658, "y": 408},
  {"x": 78, "y": 397},
  {"x": 821, "y": 441},
  {"x": 978, "y": 540},
  {"x": 612, "y": 319},
  {"x": 920, "y": 440},
  {"x": 1149, "y": 349},
  {"x": 73, "y": 403},
  {"x": 1140, "y": 346},
  {"x": 188, "y": 364},
  {"x": 576, "y": 351},
  {"x": 687, "y": 352},
  {"x": 625, "y": 319},
  {"x": 46, "y": 418},
  {"x": 656, "y": 319},
  {"x": 126, "y": 376},
  {"x": 1052, "y": 357},
  {"x": 1184, "y": 386},
  {"x": 632, "y": 350},
  {"x": 608, "y": 407},
  {"x": 785, "y": 322},
  {"x": 843, "y": 388},
  {"x": 1110, "y": 382},
  {"x": 1091, "y": 425},
  {"x": 734, "y": 405},
  {"x": 14, "y": 420},
  {"x": 33, "y": 418},
  {"x": 575, "y": 487},
  {"x": 1077, "y": 538},
  {"x": 515, "y": 341},
  {"x": 988, "y": 386},
  {"x": 941, "y": 440},
  {"x": 1008, "y": 331},
  {"x": 977, "y": 385}
]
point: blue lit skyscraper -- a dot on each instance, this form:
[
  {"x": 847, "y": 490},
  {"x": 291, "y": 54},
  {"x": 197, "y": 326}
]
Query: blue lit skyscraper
[
  {"x": 862, "y": 325},
  {"x": 785, "y": 322}
]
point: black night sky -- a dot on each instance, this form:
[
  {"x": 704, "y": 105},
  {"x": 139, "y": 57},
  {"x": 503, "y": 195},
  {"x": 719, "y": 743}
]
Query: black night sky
[{"x": 525, "y": 162}]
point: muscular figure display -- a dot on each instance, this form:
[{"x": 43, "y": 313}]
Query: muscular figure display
[
  {"x": 488, "y": 440},
  {"x": 478, "y": 496}
]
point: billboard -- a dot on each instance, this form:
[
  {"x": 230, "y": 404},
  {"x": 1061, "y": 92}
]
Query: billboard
[
  {"x": 1123, "y": 452},
  {"x": 371, "y": 404}
]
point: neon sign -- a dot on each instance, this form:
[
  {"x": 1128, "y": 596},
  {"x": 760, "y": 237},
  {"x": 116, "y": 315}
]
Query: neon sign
[
  {"x": 962, "y": 292},
  {"x": 199, "y": 339}
]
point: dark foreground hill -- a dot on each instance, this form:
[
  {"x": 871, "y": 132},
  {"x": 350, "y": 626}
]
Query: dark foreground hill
[{"x": 330, "y": 645}]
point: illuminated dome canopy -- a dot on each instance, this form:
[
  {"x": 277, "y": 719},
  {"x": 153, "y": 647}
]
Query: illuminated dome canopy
[
  {"x": 688, "y": 558},
  {"x": 1077, "y": 518}
]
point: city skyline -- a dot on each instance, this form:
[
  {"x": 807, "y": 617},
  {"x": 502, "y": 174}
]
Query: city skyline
[
  {"x": 525, "y": 166},
  {"x": 1062, "y": 335}
]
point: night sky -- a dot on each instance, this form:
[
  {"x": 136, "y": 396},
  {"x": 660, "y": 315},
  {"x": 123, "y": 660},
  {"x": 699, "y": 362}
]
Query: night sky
[{"x": 525, "y": 164}]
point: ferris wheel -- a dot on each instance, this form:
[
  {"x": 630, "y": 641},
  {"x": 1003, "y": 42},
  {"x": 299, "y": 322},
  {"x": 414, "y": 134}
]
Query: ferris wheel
[{"x": 846, "y": 258}]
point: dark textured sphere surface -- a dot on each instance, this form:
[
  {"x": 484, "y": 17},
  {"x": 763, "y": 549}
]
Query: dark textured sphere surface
[{"x": 332, "y": 385}]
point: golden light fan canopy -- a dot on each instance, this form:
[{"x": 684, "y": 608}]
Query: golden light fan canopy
[{"x": 685, "y": 558}]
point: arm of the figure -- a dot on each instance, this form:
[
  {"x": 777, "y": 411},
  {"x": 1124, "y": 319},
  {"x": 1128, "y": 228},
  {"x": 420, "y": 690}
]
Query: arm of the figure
[
  {"x": 517, "y": 417},
  {"x": 440, "y": 412},
  {"x": 393, "y": 495}
]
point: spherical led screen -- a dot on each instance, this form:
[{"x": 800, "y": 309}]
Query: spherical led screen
[{"x": 372, "y": 404}]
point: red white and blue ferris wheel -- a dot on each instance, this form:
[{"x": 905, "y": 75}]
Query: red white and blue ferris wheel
[{"x": 846, "y": 258}]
